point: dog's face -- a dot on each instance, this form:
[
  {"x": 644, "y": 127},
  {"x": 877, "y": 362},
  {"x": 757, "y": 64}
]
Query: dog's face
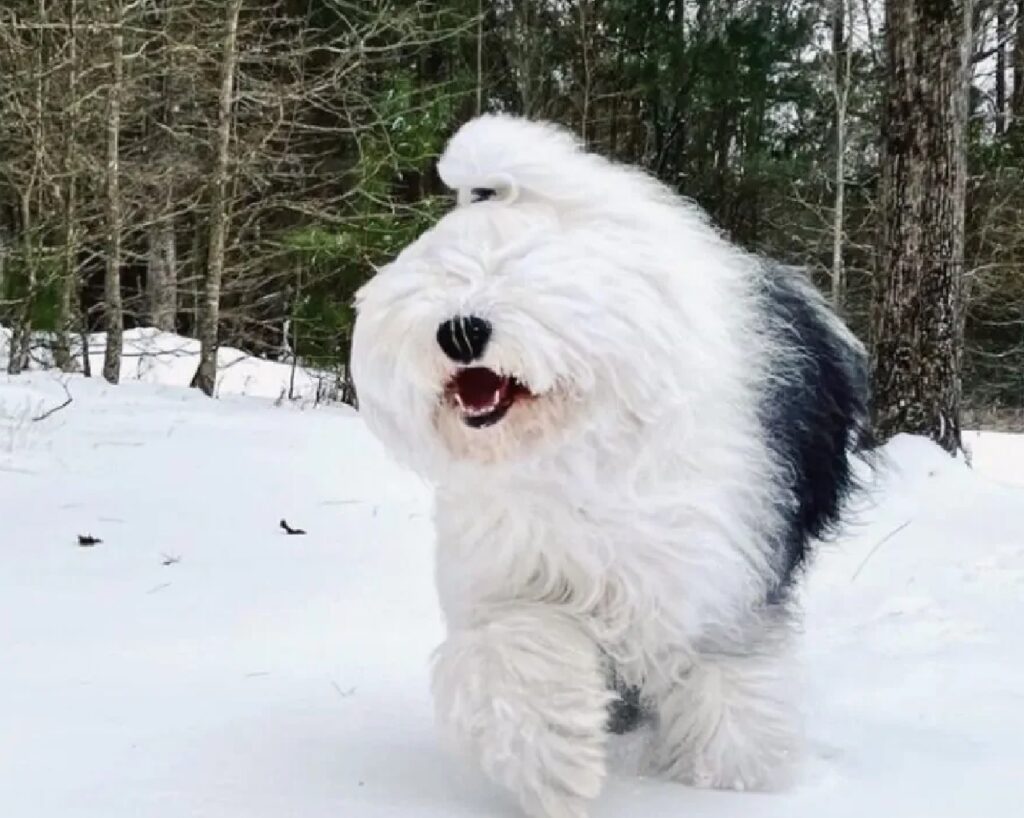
[
  {"x": 542, "y": 312},
  {"x": 467, "y": 342},
  {"x": 498, "y": 335}
]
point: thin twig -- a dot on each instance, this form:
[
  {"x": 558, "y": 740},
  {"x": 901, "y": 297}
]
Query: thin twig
[
  {"x": 343, "y": 693},
  {"x": 56, "y": 409},
  {"x": 878, "y": 545}
]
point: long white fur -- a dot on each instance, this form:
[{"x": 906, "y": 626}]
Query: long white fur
[{"x": 628, "y": 516}]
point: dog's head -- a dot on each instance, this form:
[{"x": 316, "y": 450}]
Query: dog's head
[{"x": 542, "y": 311}]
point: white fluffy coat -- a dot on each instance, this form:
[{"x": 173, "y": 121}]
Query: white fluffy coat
[{"x": 626, "y": 519}]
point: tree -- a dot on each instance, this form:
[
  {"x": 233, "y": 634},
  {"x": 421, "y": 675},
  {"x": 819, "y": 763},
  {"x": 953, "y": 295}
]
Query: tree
[
  {"x": 842, "y": 56},
  {"x": 1001, "y": 38},
  {"x": 28, "y": 182},
  {"x": 162, "y": 255},
  {"x": 209, "y": 316},
  {"x": 113, "y": 311},
  {"x": 918, "y": 329},
  {"x": 69, "y": 280}
]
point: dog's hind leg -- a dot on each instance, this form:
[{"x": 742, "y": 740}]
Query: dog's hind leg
[
  {"x": 524, "y": 692},
  {"x": 728, "y": 719}
]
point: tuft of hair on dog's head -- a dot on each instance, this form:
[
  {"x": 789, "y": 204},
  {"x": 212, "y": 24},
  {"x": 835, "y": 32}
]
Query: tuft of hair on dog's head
[
  {"x": 505, "y": 159},
  {"x": 498, "y": 158}
]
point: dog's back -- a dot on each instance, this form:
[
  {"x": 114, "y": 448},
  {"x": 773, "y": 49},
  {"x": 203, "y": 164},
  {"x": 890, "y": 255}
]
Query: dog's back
[{"x": 815, "y": 411}]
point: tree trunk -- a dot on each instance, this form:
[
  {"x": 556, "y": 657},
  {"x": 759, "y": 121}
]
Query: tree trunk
[
  {"x": 522, "y": 54},
  {"x": 585, "y": 54},
  {"x": 479, "y": 57},
  {"x": 206, "y": 375},
  {"x": 918, "y": 326},
  {"x": 113, "y": 311},
  {"x": 1001, "y": 67},
  {"x": 1017, "y": 98},
  {"x": 162, "y": 258},
  {"x": 3, "y": 259},
  {"x": 161, "y": 274},
  {"x": 69, "y": 278},
  {"x": 841, "y": 54},
  {"x": 196, "y": 276},
  {"x": 21, "y": 333}
]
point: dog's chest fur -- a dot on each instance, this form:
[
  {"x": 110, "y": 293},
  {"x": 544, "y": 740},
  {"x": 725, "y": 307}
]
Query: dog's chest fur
[{"x": 639, "y": 576}]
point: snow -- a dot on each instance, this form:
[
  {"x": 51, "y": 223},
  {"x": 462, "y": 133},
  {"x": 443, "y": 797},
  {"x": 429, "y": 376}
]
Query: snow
[
  {"x": 259, "y": 674},
  {"x": 152, "y": 356}
]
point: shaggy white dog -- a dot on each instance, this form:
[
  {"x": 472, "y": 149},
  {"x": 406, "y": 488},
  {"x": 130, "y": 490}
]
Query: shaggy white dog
[{"x": 634, "y": 429}]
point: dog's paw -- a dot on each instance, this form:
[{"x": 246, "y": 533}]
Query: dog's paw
[
  {"x": 554, "y": 804},
  {"x": 733, "y": 768},
  {"x": 538, "y": 746},
  {"x": 727, "y": 726},
  {"x": 753, "y": 753},
  {"x": 559, "y": 781},
  {"x": 525, "y": 698}
]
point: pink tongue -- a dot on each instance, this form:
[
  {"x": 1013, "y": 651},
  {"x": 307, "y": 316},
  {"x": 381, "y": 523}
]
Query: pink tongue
[{"x": 476, "y": 387}]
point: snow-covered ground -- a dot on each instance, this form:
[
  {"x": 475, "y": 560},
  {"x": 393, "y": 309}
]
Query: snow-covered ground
[
  {"x": 152, "y": 356},
  {"x": 201, "y": 662}
]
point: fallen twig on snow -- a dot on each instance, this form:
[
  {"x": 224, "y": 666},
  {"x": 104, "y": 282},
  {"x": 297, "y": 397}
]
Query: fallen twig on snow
[
  {"x": 878, "y": 545},
  {"x": 55, "y": 409},
  {"x": 291, "y": 531}
]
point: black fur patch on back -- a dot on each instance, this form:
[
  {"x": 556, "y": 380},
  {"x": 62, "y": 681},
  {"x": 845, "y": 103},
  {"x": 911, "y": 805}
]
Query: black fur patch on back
[{"x": 815, "y": 414}]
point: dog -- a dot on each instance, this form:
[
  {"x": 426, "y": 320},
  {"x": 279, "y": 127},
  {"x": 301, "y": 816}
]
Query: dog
[{"x": 635, "y": 431}]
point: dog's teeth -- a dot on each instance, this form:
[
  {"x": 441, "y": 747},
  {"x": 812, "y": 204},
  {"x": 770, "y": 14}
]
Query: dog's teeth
[{"x": 478, "y": 411}]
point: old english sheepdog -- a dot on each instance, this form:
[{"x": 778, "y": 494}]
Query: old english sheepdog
[{"x": 635, "y": 430}]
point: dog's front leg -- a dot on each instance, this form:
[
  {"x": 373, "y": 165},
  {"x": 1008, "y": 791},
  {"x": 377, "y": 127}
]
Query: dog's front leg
[{"x": 523, "y": 691}]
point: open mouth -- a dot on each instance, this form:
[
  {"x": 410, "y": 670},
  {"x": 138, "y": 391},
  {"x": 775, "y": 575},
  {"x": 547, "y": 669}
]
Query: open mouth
[{"x": 482, "y": 396}]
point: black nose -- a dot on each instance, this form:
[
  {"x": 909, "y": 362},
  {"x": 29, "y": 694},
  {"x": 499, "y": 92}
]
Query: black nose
[{"x": 464, "y": 338}]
